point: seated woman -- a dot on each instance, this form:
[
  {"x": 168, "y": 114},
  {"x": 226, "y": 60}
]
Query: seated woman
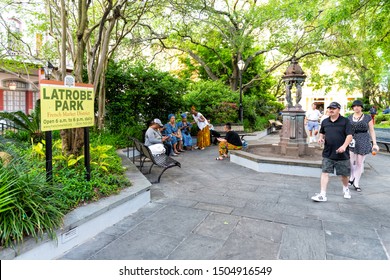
[
  {"x": 153, "y": 136},
  {"x": 185, "y": 128},
  {"x": 232, "y": 141},
  {"x": 172, "y": 130}
]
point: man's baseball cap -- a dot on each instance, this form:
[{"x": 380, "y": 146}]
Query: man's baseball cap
[
  {"x": 157, "y": 121},
  {"x": 334, "y": 105}
]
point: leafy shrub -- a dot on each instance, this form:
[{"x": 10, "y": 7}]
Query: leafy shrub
[
  {"x": 218, "y": 103},
  {"x": 117, "y": 138},
  {"x": 214, "y": 100},
  {"x": 137, "y": 93},
  {"x": 29, "y": 125},
  {"x": 382, "y": 118},
  {"x": 28, "y": 206}
]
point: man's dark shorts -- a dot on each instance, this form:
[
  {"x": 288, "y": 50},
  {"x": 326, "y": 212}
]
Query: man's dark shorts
[{"x": 343, "y": 167}]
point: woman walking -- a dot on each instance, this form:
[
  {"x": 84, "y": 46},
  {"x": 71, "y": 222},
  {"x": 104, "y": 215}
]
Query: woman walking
[{"x": 360, "y": 146}]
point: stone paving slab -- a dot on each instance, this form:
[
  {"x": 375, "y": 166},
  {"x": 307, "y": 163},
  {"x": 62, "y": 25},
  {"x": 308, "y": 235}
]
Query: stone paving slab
[
  {"x": 139, "y": 245},
  {"x": 217, "y": 225},
  {"x": 355, "y": 247},
  {"x": 212, "y": 209},
  {"x": 252, "y": 239},
  {"x": 197, "y": 247},
  {"x": 384, "y": 235},
  {"x": 174, "y": 221},
  {"x": 301, "y": 243},
  {"x": 349, "y": 229}
]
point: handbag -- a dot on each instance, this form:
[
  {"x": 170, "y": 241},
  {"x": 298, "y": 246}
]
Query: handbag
[{"x": 157, "y": 149}]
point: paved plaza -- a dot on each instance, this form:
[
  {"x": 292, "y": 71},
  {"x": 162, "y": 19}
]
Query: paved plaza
[{"x": 212, "y": 209}]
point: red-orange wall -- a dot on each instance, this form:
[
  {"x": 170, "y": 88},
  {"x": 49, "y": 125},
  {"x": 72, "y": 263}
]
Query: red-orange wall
[
  {"x": 1, "y": 100},
  {"x": 29, "y": 101}
]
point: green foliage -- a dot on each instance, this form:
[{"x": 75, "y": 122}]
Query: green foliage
[
  {"x": 260, "y": 105},
  {"x": 28, "y": 206},
  {"x": 219, "y": 104},
  {"x": 136, "y": 94},
  {"x": 29, "y": 124},
  {"x": 214, "y": 100},
  {"x": 117, "y": 139},
  {"x": 382, "y": 118}
]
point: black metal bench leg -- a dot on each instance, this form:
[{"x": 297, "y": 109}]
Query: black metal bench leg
[
  {"x": 159, "y": 177},
  {"x": 150, "y": 169},
  {"x": 142, "y": 163}
]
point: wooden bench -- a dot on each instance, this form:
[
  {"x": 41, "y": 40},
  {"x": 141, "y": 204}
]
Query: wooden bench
[
  {"x": 385, "y": 142},
  {"x": 383, "y": 137},
  {"x": 239, "y": 128},
  {"x": 161, "y": 160},
  {"x": 274, "y": 125}
]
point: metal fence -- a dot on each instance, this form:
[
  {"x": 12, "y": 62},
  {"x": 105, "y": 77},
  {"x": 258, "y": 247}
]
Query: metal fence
[{"x": 7, "y": 126}]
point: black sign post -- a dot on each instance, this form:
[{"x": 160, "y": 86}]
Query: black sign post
[
  {"x": 87, "y": 160},
  {"x": 49, "y": 156}
]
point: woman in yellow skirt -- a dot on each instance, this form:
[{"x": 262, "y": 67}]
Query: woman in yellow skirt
[{"x": 204, "y": 130}]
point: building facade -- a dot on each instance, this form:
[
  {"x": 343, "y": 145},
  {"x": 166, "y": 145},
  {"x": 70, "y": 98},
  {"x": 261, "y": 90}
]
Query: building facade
[
  {"x": 322, "y": 99},
  {"x": 17, "y": 94},
  {"x": 18, "y": 84}
]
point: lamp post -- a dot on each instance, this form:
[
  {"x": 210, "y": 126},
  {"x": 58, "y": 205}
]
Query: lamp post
[
  {"x": 48, "y": 135},
  {"x": 241, "y": 65},
  {"x": 48, "y": 70}
]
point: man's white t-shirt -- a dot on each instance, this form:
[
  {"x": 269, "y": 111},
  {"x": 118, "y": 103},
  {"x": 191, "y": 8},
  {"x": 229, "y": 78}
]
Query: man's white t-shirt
[{"x": 313, "y": 115}]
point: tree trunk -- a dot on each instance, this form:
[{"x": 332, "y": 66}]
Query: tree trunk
[
  {"x": 73, "y": 139},
  {"x": 101, "y": 102}
]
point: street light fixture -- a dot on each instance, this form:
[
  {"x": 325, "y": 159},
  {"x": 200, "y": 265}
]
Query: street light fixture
[
  {"x": 48, "y": 70},
  {"x": 12, "y": 85},
  {"x": 241, "y": 66}
]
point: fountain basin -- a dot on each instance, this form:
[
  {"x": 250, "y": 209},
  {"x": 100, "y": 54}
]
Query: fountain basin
[{"x": 259, "y": 157}]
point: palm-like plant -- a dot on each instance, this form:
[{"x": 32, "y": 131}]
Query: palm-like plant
[{"x": 29, "y": 123}]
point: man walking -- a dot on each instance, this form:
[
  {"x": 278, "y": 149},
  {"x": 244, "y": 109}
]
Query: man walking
[
  {"x": 336, "y": 133},
  {"x": 312, "y": 118}
]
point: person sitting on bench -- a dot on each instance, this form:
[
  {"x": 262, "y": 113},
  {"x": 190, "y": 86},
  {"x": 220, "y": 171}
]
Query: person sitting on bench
[
  {"x": 153, "y": 136},
  {"x": 231, "y": 141}
]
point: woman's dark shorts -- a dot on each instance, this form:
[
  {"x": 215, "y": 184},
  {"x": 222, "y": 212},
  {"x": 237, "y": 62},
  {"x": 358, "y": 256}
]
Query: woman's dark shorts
[{"x": 343, "y": 167}]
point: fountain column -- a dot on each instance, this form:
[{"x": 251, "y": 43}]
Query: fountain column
[{"x": 293, "y": 134}]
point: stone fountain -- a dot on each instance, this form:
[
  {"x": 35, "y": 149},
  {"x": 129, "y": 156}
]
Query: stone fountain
[
  {"x": 293, "y": 135},
  {"x": 289, "y": 154}
]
